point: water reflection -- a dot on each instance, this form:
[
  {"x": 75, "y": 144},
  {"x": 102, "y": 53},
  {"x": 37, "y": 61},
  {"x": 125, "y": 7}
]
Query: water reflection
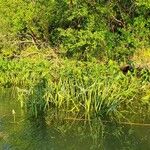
[
  {"x": 45, "y": 133},
  {"x": 127, "y": 137}
]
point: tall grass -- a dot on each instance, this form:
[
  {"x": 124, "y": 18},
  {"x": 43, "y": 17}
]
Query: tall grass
[{"x": 74, "y": 89}]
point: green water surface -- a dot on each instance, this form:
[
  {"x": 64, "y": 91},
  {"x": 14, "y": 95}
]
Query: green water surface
[{"x": 44, "y": 133}]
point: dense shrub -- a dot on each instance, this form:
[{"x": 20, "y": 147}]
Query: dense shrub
[{"x": 80, "y": 29}]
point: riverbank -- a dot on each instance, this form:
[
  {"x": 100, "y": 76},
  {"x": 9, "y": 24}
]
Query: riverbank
[{"x": 76, "y": 89}]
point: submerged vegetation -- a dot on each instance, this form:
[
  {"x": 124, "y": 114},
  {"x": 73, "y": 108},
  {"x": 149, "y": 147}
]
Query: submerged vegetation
[{"x": 77, "y": 59}]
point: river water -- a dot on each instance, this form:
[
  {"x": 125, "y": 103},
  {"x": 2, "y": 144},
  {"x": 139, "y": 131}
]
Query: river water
[{"x": 45, "y": 133}]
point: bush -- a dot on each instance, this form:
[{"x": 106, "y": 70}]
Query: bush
[{"x": 80, "y": 29}]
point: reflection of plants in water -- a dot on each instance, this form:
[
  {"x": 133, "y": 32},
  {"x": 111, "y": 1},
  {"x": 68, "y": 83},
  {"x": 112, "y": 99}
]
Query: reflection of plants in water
[
  {"x": 124, "y": 137},
  {"x": 3, "y": 136},
  {"x": 39, "y": 133},
  {"x": 79, "y": 134},
  {"x": 97, "y": 134}
]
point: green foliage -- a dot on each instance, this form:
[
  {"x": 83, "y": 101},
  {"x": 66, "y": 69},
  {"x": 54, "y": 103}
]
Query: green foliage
[
  {"x": 36, "y": 102},
  {"x": 80, "y": 29},
  {"x": 71, "y": 88}
]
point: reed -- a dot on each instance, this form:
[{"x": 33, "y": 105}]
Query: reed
[{"x": 76, "y": 89}]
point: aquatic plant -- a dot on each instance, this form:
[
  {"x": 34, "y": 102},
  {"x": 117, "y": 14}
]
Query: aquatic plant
[{"x": 75, "y": 89}]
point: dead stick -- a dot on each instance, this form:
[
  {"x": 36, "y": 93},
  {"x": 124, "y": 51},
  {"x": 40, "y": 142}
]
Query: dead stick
[{"x": 106, "y": 121}]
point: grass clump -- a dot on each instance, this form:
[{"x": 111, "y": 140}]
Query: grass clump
[{"x": 76, "y": 89}]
